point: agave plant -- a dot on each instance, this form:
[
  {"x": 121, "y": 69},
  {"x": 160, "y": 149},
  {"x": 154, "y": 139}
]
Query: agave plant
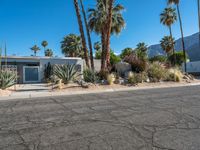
[
  {"x": 66, "y": 73},
  {"x": 90, "y": 76},
  {"x": 7, "y": 79}
]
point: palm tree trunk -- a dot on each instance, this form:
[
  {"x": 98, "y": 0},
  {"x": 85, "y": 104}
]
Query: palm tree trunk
[
  {"x": 82, "y": 33},
  {"x": 88, "y": 35},
  {"x": 198, "y": 3},
  {"x": 103, "y": 60},
  {"x": 170, "y": 31},
  {"x": 109, "y": 26},
  {"x": 182, "y": 37}
]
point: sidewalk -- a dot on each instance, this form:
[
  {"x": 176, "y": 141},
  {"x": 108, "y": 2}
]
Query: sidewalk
[{"x": 29, "y": 91}]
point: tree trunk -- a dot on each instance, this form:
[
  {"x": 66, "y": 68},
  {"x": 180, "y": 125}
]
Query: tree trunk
[
  {"x": 170, "y": 31},
  {"x": 88, "y": 35},
  {"x": 82, "y": 33},
  {"x": 198, "y": 3},
  {"x": 103, "y": 60},
  {"x": 182, "y": 37},
  {"x": 108, "y": 33}
]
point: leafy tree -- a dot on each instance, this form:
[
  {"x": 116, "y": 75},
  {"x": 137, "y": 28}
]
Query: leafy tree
[
  {"x": 159, "y": 58},
  {"x": 98, "y": 50},
  {"x": 141, "y": 51},
  {"x": 179, "y": 58},
  {"x": 48, "y": 53},
  {"x": 83, "y": 40},
  {"x": 114, "y": 58},
  {"x": 35, "y": 49},
  {"x": 71, "y": 46},
  {"x": 126, "y": 52},
  {"x": 167, "y": 43},
  {"x": 99, "y": 22},
  {"x": 97, "y": 46},
  {"x": 44, "y": 44}
]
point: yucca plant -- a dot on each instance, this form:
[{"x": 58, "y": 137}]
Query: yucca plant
[
  {"x": 7, "y": 79},
  {"x": 66, "y": 73}
]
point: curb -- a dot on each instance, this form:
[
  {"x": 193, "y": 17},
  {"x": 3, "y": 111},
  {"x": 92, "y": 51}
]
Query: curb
[{"x": 54, "y": 94}]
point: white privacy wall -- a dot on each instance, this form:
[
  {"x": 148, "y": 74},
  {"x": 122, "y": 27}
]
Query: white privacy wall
[
  {"x": 193, "y": 67},
  {"x": 59, "y": 61}
]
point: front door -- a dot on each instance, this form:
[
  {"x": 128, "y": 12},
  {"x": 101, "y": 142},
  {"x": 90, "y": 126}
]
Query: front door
[{"x": 31, "y": 74}]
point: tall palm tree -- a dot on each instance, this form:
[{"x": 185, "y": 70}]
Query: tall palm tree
[
  {"x": 99, "y": 22},
  {"x": 35, "y": 49},
  {"x": 88, "y": 35},
  {"x": 44, "y": 44},
  {"x": 108, "y": 33},
  {"x": 167, "y": 18},
  {"x": 198, "y": 3},
  {"x": 177, "y": 2},
  {"x": 82, "y": 33},
  {"x": 167, "y": 44}
]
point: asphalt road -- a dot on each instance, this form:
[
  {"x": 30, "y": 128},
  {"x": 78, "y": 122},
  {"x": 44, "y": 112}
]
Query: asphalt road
[{"x": 157, "y": 119}]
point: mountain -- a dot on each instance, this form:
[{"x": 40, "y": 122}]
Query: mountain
[{"x": 191, "y": 44}]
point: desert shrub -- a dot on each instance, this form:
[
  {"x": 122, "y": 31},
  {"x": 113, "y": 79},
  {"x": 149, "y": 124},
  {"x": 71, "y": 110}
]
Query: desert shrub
[
  {"x": 7, "y": 79},
  {"x": 110, "y": 79},
  {"x": 174, "y": 75},
  {"x": 48, "y": 72},
  {"x": 66, "y": 73},
  {"x": 90, "y": 76},
  {"x": 103, "y": 74},
  {"x": 156, "y": 72},
  {"x": 158, "y": 58},
  {"x": 135, "y": 78},
  {"x": 137, "y": 64},
  {"x": 179, "y": 58}
]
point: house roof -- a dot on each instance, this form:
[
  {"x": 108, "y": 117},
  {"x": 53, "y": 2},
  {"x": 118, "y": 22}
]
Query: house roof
[{"x": 39, "y": 58}]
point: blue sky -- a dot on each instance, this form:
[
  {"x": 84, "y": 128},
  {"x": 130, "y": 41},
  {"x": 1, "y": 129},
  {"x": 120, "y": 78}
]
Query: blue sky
[{"x": 25, "y": 23}]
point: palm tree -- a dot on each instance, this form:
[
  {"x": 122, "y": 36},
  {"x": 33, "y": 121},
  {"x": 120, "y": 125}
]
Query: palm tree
[
  {"x": 108, "y": 33},
  {"x": 99, "y": 22},
  {"x": 44, "y": 44},
  {"x": 126, "y": 52},
  {"x": 48, "y": 53},
  {"x": 167, "y": 18},
  {"x": 141, "y": 50},
  {"x": 71, "y": 46},
  {"x": 82, "y": 32},
  {"x": 167, "y": 44},
  {"x": 88, "y": 35},
  {"x": 176, "y": 2},
  {"x": 35, "y": 49}
]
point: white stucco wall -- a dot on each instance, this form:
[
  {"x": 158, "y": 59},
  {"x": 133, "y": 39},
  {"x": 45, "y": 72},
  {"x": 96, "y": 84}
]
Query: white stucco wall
[
  {"x": 193, "y": 67},
  {"x": 59, "y": 61}
]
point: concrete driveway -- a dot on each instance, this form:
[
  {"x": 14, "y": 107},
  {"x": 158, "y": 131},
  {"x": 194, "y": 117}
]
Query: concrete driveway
[{"x": 157, "y": 119}]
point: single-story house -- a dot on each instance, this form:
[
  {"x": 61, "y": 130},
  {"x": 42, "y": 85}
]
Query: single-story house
[
  {"x": 193, "y": 67},
  {"x": 31, "y": 69}
]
